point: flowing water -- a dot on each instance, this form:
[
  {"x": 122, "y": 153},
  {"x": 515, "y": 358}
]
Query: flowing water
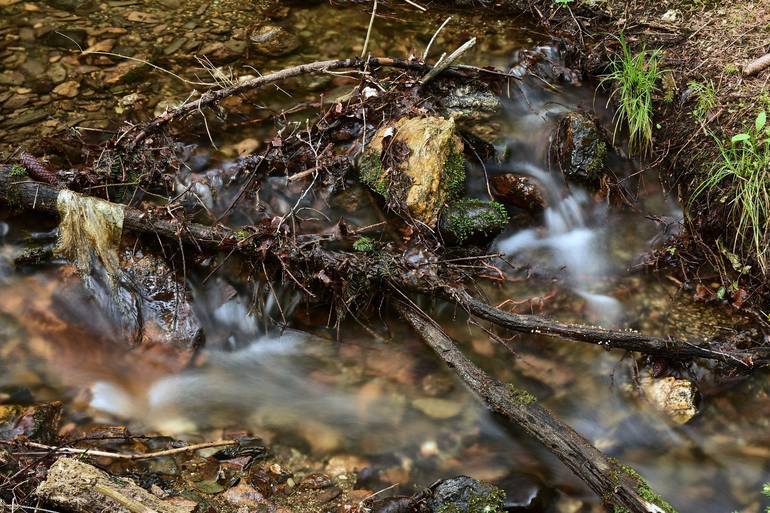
[{"x": 330, "y": 391}]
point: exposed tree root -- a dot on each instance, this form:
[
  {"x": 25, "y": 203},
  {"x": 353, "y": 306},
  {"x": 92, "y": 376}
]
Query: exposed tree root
[
  {"x": 306, "y": 253},
  {"x": 617, "y": 485}
]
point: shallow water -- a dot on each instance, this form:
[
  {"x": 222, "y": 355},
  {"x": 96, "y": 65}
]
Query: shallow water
[{"x": 343, "y": 391}]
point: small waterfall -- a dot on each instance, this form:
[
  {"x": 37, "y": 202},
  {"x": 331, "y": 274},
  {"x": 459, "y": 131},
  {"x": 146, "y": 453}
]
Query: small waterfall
[{"x": 571, "y": 243}]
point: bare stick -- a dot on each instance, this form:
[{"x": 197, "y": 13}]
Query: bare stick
[
  {"x": 369, "y": 30},
  {"x": 444, "y": 64},
  {"x": 135, "y": 456},
  {"x": 618, "y": 486},
  {"x": 415, "y": 4},
  {"x": 757, "y": 65},
  {"x": 430, "y": 43}
]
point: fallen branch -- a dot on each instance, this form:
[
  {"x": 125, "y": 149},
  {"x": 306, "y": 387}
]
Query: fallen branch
[
  {"x": 214, "y": 96},
  {"x": 121, "y": 456},
  {"x": 757, "y": 65},
  {"x": 302, "y": 252},
  {"x": 618, "y": 486},
  {"x": 609, "y": 339}
]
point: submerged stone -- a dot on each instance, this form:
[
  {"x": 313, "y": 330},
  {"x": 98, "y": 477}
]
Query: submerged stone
[
  {"x": 463, "y": 494},
  {"x": 580, "y": 148},
  {"x": 416, "y": 164},
  {"x": 473, "y": 221},
  {"x": 675, "y": 397}
]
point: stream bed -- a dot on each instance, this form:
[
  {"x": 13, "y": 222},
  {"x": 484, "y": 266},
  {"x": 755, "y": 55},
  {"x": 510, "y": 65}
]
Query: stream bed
[{"x": 367, "y": 390}]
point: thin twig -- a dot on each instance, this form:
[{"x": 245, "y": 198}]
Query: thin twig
[
  {"x": 120, "y": 456},
  {"x": 430, "y": 43},
  {"x": 369, "y": 30}
]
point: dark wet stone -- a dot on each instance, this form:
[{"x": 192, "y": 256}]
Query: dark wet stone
[
  {"x": 39, "y": 422},
  {"x": 463, "y": 494},
  {"x": 523, "y": 492},
  {"x": 580, "y": 148},
  {"x": 471, "y": 100},
  {"x": 27, "y": 118},
  {"x": 69, "y": 39},
  {"x": 518, "y": 191}
]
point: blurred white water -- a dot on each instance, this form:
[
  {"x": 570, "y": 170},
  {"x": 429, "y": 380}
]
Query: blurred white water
[{"x": 570, "y": 242}]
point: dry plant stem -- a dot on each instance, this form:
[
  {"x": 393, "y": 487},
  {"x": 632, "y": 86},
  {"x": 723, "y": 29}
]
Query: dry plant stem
[
  {"x": 448, "y": 61},
  {"x": 606, "y": 477},
  {"x": 757, "y": 65},
  {"x": 137, "y": 456},
  {"x": 211, "y": 97},
  {"x": 369, "y": 29},
  {"x": 43, "y": 198}
]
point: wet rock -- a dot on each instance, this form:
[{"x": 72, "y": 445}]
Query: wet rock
[
  {"x": 519, "y": 191},
  {"x": 471, "y": 101},
  {"x": 344, "y": 464},
  {"x": 245, "y": 496},
  {"x": 473, "y": 221},
  {"x": 465, "y": 495},
  {"x": 316, "y": 481},
  {"x": 273, "y": 40},
  {"x": 421, "y": 168},
  {"x": 77, "y": 486},
  {"x": 676, "y": 397},
  {"x": 580, "y": 149},
  {"x": 67, "y": 39},
  {"x": 68, "y": 89},
  {"x": 523, "y": 492},
  {"x": 39, "y": 422},
  {"x": 223, "y": 53},
  {"x": 11, "y": 78},
  {"x": 437, "y": 408}
]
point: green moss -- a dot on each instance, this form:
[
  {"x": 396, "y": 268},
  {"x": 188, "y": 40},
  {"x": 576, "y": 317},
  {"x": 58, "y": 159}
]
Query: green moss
[
  {"x": 17, "y": 170},
  {"x": 371, "y": 173},
  {"x": 521, "y": 396},
  {"x": 364, "y": 245},
  {"x": 470, "y": 217},
  {"x": 600, "y": 158},
  {"x": 620, "y": 509},
  {"x": 492, "y": 502},
  {"x": 454, "y": 175},
  {"x": 646, "y": 492}
]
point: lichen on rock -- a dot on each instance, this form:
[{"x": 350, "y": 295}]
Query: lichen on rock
[
  {"x": 463, "y": 494},
  {"x": 416, "y": 164}
]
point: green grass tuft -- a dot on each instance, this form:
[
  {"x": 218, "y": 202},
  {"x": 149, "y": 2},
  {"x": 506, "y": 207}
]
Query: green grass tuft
[
  {"x": 17, "y": 170},
  {"x": 744, "y": 168},
  {"x": 634, "y": 77},
  {"x": 364, "y": 245},
  {"x": 707, "y": 98}
]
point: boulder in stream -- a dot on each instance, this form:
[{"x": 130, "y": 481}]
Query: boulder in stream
[
  {"x": 579, "y": 148},
  {"x": 417, "y": 165},
  {"x": 519, "y": 191}
]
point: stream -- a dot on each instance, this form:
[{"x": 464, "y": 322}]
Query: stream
[{"x": 369, "y": 390}]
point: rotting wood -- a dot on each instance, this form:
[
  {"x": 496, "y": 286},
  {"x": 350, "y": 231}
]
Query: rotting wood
[
  {"x": 306, "y": 252},
  {"x": 616, "y": 484}
]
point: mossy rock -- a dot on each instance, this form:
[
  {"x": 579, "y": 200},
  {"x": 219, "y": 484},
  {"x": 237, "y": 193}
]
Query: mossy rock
[
  {"x": 581, "y": 149},
  {"x": 463, "y": 494},
  {"x": 416, "y": 164},
  {"x": 473, "y": 221}
]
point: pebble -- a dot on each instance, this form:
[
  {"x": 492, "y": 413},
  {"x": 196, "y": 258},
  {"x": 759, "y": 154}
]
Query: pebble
[
  {"x": 438, "y": 408},
  {"x": 68, "y": 89}
]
